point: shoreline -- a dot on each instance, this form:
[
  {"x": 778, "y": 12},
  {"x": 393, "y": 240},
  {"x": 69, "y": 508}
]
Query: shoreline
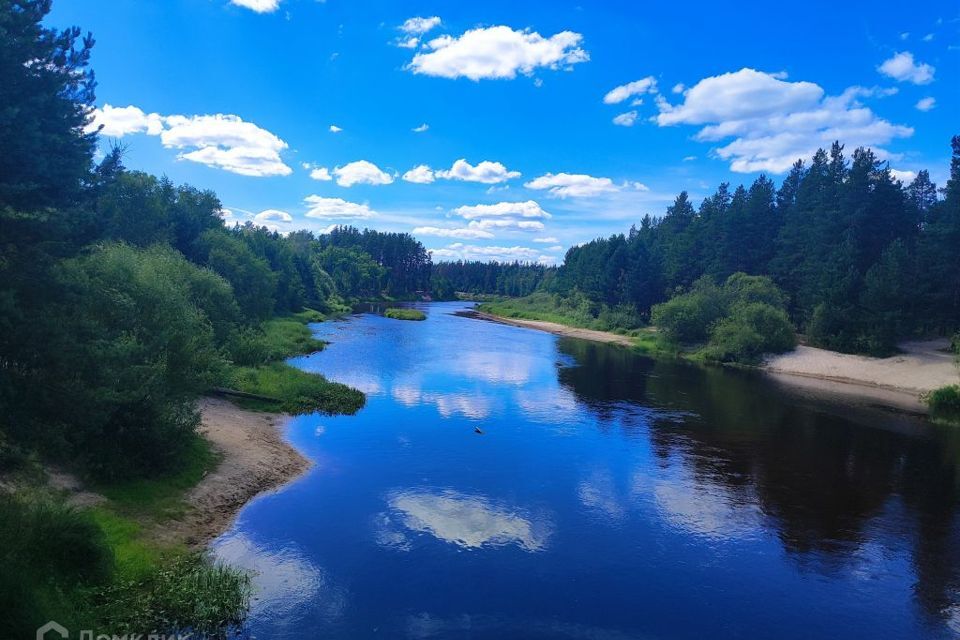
[
  {"x": 922, "y": 367},
  {"x": 255, "y": 459}
]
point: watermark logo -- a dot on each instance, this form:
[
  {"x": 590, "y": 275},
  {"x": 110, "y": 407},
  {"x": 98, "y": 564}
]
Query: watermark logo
[{"x": 55, "y": 627}]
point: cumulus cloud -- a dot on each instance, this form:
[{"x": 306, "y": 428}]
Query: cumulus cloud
[
  {"x": 421, "y": 174},
  {"x": 462, "y": 233},
  {"x": 335, "y": 129},
  {"x": 320, "y": 173},
  {"x": 926, "y": 104},
  {"x": 460, "y": 251},
  {"x": 497, "y": 52},
  {"x": 260, "y": 6},
  {"x": 635, "y": 88},
  {"x": 361, "y": 172},
  {"x": 773, "y": 122},
  {"x": 423, "y": 127},
  {"x": 320, "y": 207},
  {"x": 546, "y": 240},
  {"x": 486, "y": 172},
  {"x": 117, "y": 122},
  {"x": 575, "y": 185},
  {"x": 222, "y": 141},
  {"x": 273, "y": 215},
  {"x": 626, "y": 119},
  {"x": 506, "y": 223},
  {"x": 419, "y": 26},
  {"x": 528, "y": 209},
  {"x": 903, "y": 68}
]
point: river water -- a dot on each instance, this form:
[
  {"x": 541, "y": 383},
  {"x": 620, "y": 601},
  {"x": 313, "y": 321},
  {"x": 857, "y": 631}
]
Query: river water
[{"x": 608, "y": 496}]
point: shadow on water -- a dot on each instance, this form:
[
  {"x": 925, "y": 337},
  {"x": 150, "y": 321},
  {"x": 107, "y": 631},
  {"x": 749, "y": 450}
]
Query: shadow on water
[{"x": 824, "y": 469}]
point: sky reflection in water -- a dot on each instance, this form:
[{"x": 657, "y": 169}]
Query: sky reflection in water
[{"x": 609, "y": 496}]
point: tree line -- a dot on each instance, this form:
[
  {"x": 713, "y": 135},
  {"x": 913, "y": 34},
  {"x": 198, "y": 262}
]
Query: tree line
[{"x": 862, "y": 259}]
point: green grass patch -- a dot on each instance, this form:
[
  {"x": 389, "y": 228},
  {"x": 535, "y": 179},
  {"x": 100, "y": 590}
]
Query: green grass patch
[
  {"x": 573, "y": 311},
  {"x": 296, "y": 391},
  {"x": 398, "y": 313},
  {"x": 161, "y": 496}
]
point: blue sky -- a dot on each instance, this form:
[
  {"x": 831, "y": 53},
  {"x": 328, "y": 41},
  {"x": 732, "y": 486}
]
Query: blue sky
[{"x": 547, "y": 124}]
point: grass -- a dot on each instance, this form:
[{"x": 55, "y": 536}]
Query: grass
[
  {"x": 944, "y": 404},
  {"x": 573, "y": 311},
  {"x": 296, "y": 391},
  {"x": 162, "y": 497},
  {"x": 398, "y": 313}
]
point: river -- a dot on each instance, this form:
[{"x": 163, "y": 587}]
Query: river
[{"x": 609, "y": 496}]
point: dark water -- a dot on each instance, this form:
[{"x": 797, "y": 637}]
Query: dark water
[{"x": 610, "y": 496}]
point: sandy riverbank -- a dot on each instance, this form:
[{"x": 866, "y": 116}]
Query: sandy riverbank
[
  {"x": 898, "y": 380},
  {"x": 256, "y": 458},
  {"x": 555, "y": 328},
  {"x": 921, "y": 367}
]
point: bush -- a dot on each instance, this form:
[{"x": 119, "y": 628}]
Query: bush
[
  {"x": 47, "y": 549},
  {"x": 690, "y": 317},
  {"x": 405, "y": 314},
  {"x": 945, "y": 403},
  {"x": 750, "y": 331}
]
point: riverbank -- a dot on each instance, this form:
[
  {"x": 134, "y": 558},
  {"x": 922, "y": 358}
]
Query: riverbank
[
  {"x": 899, "y": 380},
  {"x": 556, "y": 328},
  {"x": 254, "y": 458}
]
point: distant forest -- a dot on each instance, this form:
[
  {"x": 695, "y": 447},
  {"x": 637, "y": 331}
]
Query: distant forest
[{"x": 862, "y": 259}]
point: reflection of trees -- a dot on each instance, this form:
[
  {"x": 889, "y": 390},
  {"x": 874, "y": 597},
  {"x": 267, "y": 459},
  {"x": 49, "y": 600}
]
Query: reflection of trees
[{"x": 819, "y": 474}]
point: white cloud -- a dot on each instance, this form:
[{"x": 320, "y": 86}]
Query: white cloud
[
  {"x": 626, "y": 119},
  {"x": 506, "y": 223},
  {"x": 736, "y": 96},
  {"x": 926, "y": 104},
  {"x": 222, "y": 141},
  {"x": 319, "y": 207},
  {"x": 906, "y": 177},
  {"x": 418, "y": 26},
  {"x": 528, "y": 209},
  {"x": 320, "y": 173},
  {"x": 486, "y": 172},
  {"x": 773, "y": 122},
  {"x": 497, "y": 53},
  {"x": 635, "y": 88},
  {"x": 546, "y": 240},
  {"x": 903, "y": 68},
  {"x": 928, "y": 37},
  {"x": 421, "y": 174},
  {"x": 563, "y": 185},
  {"x": 260, "y": 6},
  {"x": 335, "y": 129},
  {"x": 411, "y": 42},
  {"x": 361, "y": 172},
  {"x": 463, "y": 233},
  {"x": 460, "y": 251},
  {"x": 423, "y": 127},
  {"x": 120, "y": 121},
  {"x": 273, "y": 215},
  {"x": 678, "y": 88}
]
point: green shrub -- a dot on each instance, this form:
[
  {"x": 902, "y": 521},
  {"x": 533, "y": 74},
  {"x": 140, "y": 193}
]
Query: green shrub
[
  {"x": 398, "y": 313},
  {"x": 945, "y": 403},
  {"x": 689, "y": 317},
  {"x": 47, "y": 551},
  {"x": 750, "y": 331}
]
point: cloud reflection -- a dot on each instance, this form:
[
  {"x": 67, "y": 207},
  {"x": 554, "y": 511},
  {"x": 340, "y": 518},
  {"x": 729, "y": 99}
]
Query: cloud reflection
[
  {"x": 467, "y": 521},
  {"x": 286, "y": 583},
  {"x": 448, "y": 404}
]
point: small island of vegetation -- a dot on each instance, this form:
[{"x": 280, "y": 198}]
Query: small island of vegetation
[{"x": 400, "y": 313}]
